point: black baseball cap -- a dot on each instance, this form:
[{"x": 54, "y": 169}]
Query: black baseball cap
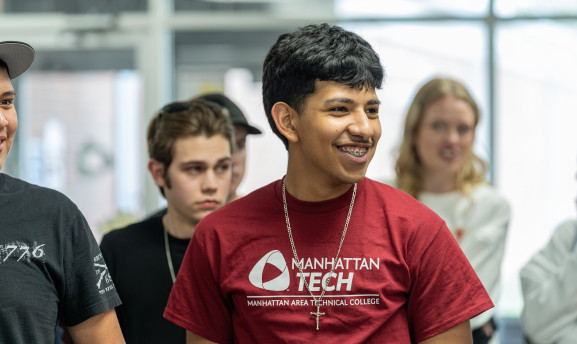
[
  {"x": 18, "y": 56},
  {"x": 236, "y": 115}
]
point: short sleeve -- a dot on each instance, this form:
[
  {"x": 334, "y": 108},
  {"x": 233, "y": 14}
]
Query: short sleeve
[
  {"x": 196, "y": 302},
  {"x": 445, "y": 291},
  {"x": 549, "y": 285},
  {"x": 88, "y": 287}
]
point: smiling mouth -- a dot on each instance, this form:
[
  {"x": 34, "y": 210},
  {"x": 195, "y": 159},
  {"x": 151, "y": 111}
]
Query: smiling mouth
[
  {"x": 353, "y": 150},
  {"x": 448, "y": 153}
]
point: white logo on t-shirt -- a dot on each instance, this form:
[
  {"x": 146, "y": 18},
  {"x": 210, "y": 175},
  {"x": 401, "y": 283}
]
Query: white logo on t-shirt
[
  {"x": 22, "y": 252},
  {"x": 281, "y": 282},
  {"x": 104, "y": 283}
]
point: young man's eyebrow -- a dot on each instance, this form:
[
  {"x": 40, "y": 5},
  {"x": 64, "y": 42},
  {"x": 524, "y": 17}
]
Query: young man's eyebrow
[
  {"x": 202, "y": 162},
  {"x": 8, "y": 93},
  {"x": 192, "y": 162},
  {"x": 339, "y": 100},
  {"x": 227, "y": 159},
  {"x": 350, "y": 101}
]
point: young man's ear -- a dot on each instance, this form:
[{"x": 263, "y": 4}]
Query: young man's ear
[
  {"x": 284, "y": 117},
  {"x": 156, "y": 169}
]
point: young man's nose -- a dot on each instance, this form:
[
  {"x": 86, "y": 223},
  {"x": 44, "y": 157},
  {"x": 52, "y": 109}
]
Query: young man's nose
[
  {"x": 3, "y": 120},
  {"x": 362, "y": 125},
  {"x": 210, "y": 182}
]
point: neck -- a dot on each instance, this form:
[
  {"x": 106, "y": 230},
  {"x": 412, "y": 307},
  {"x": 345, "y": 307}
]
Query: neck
[
  {"x": 304, "y": 188},
  {"x": 436, "y": 183},
  {"x": 313, "y": 192},
  {"x": 177, "y": 227}
]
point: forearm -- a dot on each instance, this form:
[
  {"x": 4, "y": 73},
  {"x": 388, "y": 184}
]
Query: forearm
[
  {"x": 192, "y": 338},
  {"x": 100, "y": 329},
  {"x": 460, "y": 334}
]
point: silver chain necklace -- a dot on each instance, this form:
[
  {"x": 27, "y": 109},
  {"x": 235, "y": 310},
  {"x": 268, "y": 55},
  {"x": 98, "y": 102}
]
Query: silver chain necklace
[
  {"x": 167, "y": 249},
  {"x": 318, "y": 313}
]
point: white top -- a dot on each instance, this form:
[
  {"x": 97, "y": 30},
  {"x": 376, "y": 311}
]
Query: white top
[
  {"x": 549, "y": 282},
  {"x": 480, "y": 223}
]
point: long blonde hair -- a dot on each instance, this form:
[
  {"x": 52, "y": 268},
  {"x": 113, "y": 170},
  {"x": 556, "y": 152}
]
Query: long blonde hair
[{"x": 408, "y": 167}]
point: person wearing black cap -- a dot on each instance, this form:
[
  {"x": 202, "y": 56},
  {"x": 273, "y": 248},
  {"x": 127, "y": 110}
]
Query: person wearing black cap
[
  {"x": 51, "y": 269},
  {"x": 241, "y": 130},
  {"x": 190, "y": 151}
]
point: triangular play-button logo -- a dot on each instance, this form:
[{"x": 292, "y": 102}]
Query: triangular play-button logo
[{"x": 267, "y": 277}]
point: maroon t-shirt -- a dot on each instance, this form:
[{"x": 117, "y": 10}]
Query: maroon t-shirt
[{"x": 400, "y": 276}]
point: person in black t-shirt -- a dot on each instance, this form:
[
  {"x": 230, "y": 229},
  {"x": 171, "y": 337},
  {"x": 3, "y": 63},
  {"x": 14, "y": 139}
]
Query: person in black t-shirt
[
  {"x": 50, "y": 265},
  {"x": 190, "y": 147}
]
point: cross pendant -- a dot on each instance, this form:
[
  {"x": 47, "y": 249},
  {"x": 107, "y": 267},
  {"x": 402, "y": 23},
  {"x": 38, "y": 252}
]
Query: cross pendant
[{"x": 317, "y": 314}]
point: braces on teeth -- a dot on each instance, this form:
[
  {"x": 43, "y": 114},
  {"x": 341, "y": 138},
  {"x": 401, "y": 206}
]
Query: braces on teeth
[{"x": 358, "y": 152}]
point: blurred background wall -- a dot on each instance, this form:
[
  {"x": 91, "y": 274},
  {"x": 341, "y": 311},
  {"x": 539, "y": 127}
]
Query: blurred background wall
[{"x": 104, "y": 67}]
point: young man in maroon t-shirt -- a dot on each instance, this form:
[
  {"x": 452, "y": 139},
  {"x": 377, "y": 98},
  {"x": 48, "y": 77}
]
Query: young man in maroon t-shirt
[{"x": 325, "y": 254}]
